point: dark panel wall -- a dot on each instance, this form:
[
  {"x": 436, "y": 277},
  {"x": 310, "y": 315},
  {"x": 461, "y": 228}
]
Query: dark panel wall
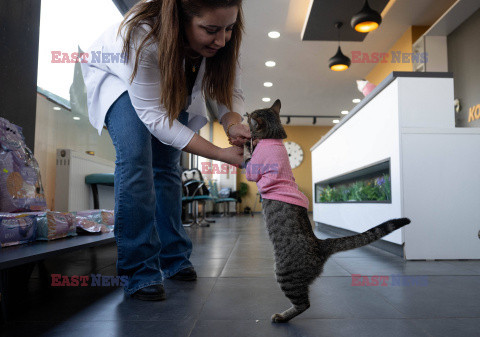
[
  {"x": 464, "y": 62},
  {"x": 19, "y": 36}
]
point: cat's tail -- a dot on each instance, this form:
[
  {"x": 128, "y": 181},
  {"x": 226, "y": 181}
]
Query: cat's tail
[{"x": 373, "y": 234}]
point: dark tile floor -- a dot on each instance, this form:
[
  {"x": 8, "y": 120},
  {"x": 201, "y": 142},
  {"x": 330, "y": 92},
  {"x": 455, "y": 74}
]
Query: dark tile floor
[{"x": 236, "y": 294}]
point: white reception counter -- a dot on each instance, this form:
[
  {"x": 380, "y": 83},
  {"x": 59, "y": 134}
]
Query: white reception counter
[{"x": 408, "y": 121}]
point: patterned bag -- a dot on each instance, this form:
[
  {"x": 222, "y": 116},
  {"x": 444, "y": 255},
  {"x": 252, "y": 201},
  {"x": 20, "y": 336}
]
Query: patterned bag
[
  {"x": 17, "y": 228},
  {"x": 55, "y": 225},
  {"x": 20, "y": 183},
  {"x": 100, "y": 216}
]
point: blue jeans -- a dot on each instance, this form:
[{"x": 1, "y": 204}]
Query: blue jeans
[{"x": 151, "y": 241}]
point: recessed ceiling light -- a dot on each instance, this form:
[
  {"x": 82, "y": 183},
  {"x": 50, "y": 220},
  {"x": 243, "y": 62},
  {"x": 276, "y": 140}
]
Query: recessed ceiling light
[
  {"x": 344, "y": 112},
  {"x": 274, "y": 35},
  {"x": 76, "y": 118},
  {"x": 270, "y": 64},
  {"x": 268, "y": 84},
  {"x": 336, "y": 121},
  {"x": 266, "y": 99},
  {"x": 356, "y": 100},
  {"x": 57, "y": 108}
]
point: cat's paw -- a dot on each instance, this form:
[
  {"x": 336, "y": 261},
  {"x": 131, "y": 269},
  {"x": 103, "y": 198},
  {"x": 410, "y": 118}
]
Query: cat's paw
[{"x": 278, "y": 318}]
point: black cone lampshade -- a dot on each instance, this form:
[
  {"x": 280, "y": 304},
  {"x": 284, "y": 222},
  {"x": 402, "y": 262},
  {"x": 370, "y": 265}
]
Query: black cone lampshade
[
  {"x": 366, "y": 20},
  {"x": 339, "y": 62}
]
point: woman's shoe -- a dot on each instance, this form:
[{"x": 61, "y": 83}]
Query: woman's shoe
[
  {"x": 187, "y": 274},
  {"x": 155, "y": 292}
]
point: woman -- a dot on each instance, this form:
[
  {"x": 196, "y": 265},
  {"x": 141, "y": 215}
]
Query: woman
[{"x": 177, "y": 52}]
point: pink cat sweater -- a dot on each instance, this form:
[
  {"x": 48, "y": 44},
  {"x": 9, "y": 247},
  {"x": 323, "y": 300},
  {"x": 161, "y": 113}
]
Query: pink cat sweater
[{"x": 270, "y": 169}]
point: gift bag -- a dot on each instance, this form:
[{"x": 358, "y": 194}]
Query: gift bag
[
  {"x": 20, "y": 183},
  {"x": 17, "y": 228},
  {"x": 55, "y": 225},
  {"x": 102, "y": 217}
]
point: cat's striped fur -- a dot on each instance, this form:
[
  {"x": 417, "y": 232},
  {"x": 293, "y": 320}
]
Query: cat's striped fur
[{"x": 299, "y": 254}]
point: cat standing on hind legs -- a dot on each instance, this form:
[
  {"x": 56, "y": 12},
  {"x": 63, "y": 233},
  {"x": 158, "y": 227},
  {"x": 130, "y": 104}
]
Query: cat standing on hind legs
[{"x": 299, "y": 254}]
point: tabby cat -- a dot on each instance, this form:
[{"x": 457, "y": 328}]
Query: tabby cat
[{"x": 299, "y": 254}]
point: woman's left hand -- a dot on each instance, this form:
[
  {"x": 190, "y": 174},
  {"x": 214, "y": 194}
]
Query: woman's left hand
[{"x": 239, "y": 134}]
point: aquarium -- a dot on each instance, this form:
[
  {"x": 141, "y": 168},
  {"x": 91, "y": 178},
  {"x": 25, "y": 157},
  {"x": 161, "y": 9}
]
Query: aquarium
[{"x": 370, "y": 184}]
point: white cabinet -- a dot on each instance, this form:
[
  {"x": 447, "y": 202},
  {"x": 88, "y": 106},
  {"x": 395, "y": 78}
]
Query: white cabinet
[{"x": 434, "y": 167}]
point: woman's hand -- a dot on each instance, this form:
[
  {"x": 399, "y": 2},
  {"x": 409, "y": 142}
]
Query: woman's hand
[
  {"x": 239, "y": 134},
  {"x": 202, "y": 147},
  {"x": 232, "y": 155}
]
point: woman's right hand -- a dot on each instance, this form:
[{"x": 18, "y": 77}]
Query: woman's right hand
[{"x": 232, "y": 155}]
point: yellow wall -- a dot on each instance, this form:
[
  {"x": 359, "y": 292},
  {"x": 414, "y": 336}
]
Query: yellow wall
[
  {"x": 219, "y": 137},
  {"x": 418, "y": 31},
  {"x": 305, "y": 136},
  {"x": 404, "y": 44}
]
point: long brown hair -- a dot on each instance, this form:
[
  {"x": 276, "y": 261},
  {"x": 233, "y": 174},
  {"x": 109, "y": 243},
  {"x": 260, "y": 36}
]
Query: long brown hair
[{"x": 167, "y": 19}]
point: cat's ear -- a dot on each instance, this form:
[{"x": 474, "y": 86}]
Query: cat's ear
[{"x": 277, "y": 106}]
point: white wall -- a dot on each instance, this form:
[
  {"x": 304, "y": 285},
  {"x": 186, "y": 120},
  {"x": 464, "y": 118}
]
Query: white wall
[{"x": 58, "y": 129}]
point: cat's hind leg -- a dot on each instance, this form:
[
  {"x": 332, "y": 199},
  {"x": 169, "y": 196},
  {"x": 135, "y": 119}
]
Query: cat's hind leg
[{"x": 300, "y": 302}]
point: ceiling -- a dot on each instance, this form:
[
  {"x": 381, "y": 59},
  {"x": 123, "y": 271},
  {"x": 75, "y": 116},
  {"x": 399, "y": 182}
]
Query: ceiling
[
  {"x": 323, "y": 15},
  {"x": 301, "y": 78}
]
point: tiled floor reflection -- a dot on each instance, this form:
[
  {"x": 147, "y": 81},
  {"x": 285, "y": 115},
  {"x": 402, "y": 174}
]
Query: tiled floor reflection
[{"x": 236, "y": 294}]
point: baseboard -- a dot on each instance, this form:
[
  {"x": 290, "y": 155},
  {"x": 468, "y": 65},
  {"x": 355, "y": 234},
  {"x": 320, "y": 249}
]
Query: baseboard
[{"x": 387, "y": 246}]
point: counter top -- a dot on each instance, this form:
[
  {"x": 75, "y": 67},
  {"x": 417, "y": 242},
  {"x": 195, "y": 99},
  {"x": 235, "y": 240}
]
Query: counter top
[{"x": 389, "y": 79}]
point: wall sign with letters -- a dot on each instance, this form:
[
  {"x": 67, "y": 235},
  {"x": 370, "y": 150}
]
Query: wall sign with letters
[{"x": 474, "y": 113}]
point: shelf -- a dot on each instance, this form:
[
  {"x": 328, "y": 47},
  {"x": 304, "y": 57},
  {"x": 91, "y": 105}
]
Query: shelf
[
  {"x": 16, "y": 255},
  {"x": 458, "y": 13}
]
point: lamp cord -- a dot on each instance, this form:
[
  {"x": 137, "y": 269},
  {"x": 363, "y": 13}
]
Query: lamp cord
[{"x": 339, "y": 36}]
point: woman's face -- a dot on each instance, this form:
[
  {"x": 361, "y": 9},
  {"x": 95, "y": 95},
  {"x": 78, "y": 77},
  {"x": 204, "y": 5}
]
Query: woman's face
[{"x": 207, "y": 33}]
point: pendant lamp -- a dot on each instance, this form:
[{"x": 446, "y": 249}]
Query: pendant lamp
[
  {"x": 339, "y": 62},
  {"x": 366, "y": 20}
]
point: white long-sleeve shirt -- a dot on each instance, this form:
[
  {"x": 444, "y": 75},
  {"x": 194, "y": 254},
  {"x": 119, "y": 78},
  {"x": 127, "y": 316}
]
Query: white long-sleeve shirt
[{"x": 107, "y": 77}]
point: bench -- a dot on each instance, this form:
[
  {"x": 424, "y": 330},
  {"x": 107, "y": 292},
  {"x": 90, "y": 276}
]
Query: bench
[
  {"x": 27, "y": 255},
  {"x": 17, "y": 262},
  {"x": 93, "y": 180}
]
